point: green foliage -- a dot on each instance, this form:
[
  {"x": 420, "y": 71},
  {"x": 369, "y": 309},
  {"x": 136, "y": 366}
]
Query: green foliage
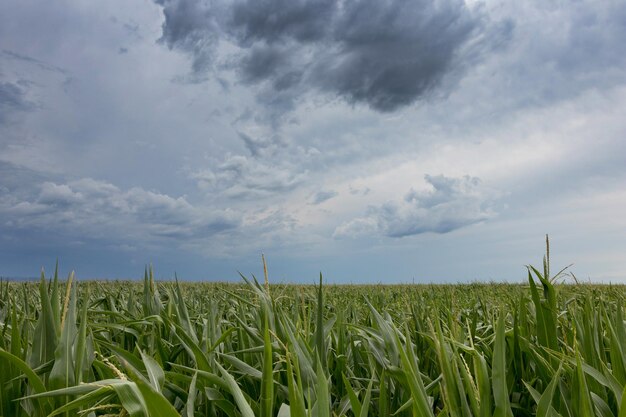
[{"x": 153, "y": 348}]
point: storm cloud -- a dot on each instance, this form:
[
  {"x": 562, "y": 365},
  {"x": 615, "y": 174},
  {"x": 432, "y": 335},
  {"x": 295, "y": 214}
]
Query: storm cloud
[
  {"x": 384, "y": 54},
  {"x": 199, "y": 133}
]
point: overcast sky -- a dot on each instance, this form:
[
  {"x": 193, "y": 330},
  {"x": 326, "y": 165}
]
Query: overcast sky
[{"x": 374, "y": 140}]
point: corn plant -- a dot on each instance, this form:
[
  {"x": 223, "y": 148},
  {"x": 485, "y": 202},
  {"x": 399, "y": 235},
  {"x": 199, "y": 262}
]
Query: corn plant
[{"x": 149, "y": 348}]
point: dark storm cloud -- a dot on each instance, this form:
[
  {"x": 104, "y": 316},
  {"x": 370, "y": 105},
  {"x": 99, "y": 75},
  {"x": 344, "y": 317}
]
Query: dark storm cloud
[
  {"x": 450, "y": 204},
  {"x": 263, "y": 62},
  {"x": 385, "y": 54},
  {"x": 388, "y": 54},
  {"x": 190, "y": 26},
  {"x": 274, "y": 21}
]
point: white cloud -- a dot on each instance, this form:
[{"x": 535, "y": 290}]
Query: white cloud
[
  {"x": 450, "y": 204},
  {"x": 102, "y": 210}
]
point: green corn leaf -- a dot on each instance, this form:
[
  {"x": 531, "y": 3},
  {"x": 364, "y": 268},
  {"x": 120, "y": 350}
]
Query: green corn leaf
[
  {"x": 322, "y": 391},
  {"x": 63, "y": 374},
  {"x": 499, "y": 383},
  {"x": 296, "y": 397},
  {"x": 155, "y": 373},
  {"x": 235, "y": 390},
  {"x": 267, "y": 379}
]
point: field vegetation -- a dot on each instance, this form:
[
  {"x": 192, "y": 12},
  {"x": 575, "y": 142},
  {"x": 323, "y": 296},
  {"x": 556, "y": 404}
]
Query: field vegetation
[{"x": 150, "y": 348}]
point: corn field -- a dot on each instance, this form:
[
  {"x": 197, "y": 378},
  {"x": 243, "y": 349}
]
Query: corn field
[{"x": 252, "y": 349}]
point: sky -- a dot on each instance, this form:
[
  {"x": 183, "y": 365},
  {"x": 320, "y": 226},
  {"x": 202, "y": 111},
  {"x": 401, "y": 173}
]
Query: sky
[{"x": 376, "y": 141}]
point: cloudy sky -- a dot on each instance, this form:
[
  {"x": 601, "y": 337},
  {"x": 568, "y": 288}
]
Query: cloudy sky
[{"x": 374, "y": 140}]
